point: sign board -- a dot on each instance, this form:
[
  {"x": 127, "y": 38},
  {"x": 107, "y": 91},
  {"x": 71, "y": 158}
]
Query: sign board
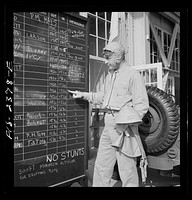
[{"x": 50, "y": 128}]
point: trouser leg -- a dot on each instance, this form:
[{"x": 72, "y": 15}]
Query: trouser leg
[
  {"x": 127, "y": 170},
  {"x": 115, "y": 175},
  {"x": 107, "y": 156},
  {"x": 105, "y": 161}
]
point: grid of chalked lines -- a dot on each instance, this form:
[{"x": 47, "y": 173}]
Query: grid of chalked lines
[{"x": 49, "y": 58}]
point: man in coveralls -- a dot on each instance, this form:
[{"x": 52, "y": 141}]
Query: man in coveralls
[{"x": 123, "y": 88}]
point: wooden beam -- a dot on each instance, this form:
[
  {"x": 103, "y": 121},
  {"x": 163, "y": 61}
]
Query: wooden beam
[
  {"x": 172, "y": 45},
  {"x": 172, "y": 16},
  {"x": 158, "y": 42},
  {"x": 165, "y": 78}
]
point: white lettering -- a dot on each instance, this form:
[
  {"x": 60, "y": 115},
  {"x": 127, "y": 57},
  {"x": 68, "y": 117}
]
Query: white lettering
[
  {"x": 52, "y": 157},
  {"x": 28, "y": 169}
]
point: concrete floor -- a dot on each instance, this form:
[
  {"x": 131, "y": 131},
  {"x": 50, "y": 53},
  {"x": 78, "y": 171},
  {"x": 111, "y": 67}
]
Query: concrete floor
[{"x": 154, "y": 179}]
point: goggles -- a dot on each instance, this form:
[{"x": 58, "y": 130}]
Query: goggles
[{"x": 107, "y": 54}]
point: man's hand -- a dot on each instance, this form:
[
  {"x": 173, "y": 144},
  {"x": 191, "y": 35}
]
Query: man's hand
[{"x": 76, "y": 94}]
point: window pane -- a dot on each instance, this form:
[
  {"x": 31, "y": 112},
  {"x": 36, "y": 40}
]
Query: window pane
[
  {"x": 145, "y": 76},
  {"x": 169, "y": 40},
  {"x": 109, "y": 16},
  {"x": 176, "y": 43},
  {"x": 92, "y": 48},
  {"x": 101, "y": 14},
  {"x": 108, "y": 30},
  {"x": 159, "y": 34},
  {"x": 173, "y": 65},
  {"x": 177, "y": 56},
  {"x": 155, "y": 49},
  {"x": 165, "y": 50},
  {"x": 165, "y": 39},
  {"x": 101, "y": 44},
  {"x": 151, "y": 35},
  {"x": 174, "y": 56},
  {"x": 101, "y": 28},
  {"x": 158, "y": 56},
  {"x": 92, "y": 25},
  {"x": 97, "y": 74},
  {"x": 178, "y": 39},
  {"x": 153, "y": 75},
  {"x": 152, "y": 51}
]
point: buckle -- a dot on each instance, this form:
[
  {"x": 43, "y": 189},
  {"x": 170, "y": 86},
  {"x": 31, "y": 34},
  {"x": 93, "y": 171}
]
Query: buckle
[{"x": 108, "y": 111}]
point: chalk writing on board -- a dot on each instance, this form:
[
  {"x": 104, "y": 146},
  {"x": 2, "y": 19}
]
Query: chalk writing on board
[
  {"x": 76, "y": 23},
  {"x": 35, "y": 134},
  {"x": 18, "y": 54},
  {"x": 34, "y": 36},
  {"x": 35, "y": 122},
  {"x": 18, "y": 67},
  {"x": 17, "y": 33},
  {"x": 51, "y": 165},
  {"x": 66, "y": 154},
  {"x": 18, "y": 117},
  {"x": 75, "y": 46},
  {"x": 36, "y": 43},
  {"x": 35, "y": 50},
  {"x": 35, "y": 94},
  {"x": 27, "y": 169},
  {"x": 49, "y": 127},
  {"x": 43, "y": 19},
  {"x": 36, "y": 141},
  {"x": 18, "y": 145},
  {"x": 34, "y": 56},
  {"x": 29, "y": 103}
]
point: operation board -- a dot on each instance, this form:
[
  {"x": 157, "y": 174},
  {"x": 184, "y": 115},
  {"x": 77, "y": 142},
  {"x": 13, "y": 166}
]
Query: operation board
[{"x": 50, "y": 127}]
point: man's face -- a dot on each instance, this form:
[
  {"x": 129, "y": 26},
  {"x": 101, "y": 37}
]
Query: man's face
[{"x": 110, "y": 60}]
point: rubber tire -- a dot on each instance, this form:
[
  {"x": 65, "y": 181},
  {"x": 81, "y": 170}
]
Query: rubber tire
[{"x": 160, "y": 126}]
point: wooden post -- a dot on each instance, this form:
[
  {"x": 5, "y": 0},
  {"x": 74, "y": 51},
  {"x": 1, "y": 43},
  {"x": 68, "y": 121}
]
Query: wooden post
[
  {"x": 164, "y": 59},
  {"x": 172, "y": 45}
]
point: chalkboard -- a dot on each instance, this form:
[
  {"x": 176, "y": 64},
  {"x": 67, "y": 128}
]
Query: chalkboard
[{"x": 50, "y": 128}]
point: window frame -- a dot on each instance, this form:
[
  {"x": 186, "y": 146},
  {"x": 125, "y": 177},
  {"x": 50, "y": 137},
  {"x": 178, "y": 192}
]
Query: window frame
[
  {"x": 97, "y": 37},
  {"x": 153, "y": 44}
]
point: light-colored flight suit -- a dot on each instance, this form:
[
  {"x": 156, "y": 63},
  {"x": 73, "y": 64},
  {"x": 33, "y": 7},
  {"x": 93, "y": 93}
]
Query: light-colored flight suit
[{"x": 125, "y": 87}]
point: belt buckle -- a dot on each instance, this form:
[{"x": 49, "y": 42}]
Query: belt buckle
[{"x": 110, "y": 111}]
